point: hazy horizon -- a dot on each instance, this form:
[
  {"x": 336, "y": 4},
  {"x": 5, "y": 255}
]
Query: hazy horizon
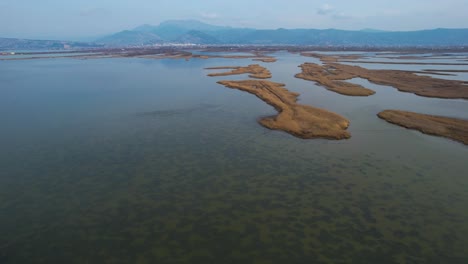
[{"x": 85, "y": 20}]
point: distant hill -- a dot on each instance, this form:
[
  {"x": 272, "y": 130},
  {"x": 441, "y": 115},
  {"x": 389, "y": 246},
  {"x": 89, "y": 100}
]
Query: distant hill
[
  {"x": 196, "y": 36},
  {"x": 372, "y": 30},
  {"x": 196, "y": 32},
  {"x": 28, "y": 44},
  {"x": 173, "y": 30},
  {"x": 131, "y": 38}
]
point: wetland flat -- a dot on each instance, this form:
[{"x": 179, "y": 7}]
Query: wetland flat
[{"x": 142, "y": 158}]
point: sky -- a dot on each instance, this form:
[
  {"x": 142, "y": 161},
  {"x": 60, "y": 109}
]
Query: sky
[{"x": 88, "y": 19}]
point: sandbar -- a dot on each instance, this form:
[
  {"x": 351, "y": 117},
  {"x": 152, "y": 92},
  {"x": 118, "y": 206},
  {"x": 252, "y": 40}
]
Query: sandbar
[
  {"x": 266, "y": 59},
  {"x": 436, "y": 70},
  {"x": 299, "y": 120},
  {"x": 404, "y": 63},
  {"x": 331, "y": 58},
  {"x": 255, "y": 70},
  {"x": 330, "y": 80},
  {"x": 405, "y": 81},
  {"x": 453, "y": 128},
  {"x": 336, "y": 58}
]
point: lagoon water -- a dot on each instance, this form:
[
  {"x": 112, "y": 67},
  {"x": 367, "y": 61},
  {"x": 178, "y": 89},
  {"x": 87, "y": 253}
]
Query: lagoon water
[{"x": 150, "y": 161}]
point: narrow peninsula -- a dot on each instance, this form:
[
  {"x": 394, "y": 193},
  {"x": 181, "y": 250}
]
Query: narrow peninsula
[
  {"x": 256, "y": 71},
  {"x": 266, "y": 59},
  {"x": 299, "y": 120},
  {"x": 328, "y": 78},
  {"x": 453, "y": 128}
]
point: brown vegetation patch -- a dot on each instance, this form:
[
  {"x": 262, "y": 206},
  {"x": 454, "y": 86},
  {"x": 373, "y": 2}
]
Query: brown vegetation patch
[
  {"x": 170, "y": 55},
  {"x": 327, "y": 77},
  {"x": 435, "y": 70},
  {"x": 299, "y": 120},
  {"x": 255, "y": 70},
  {"x": 357, "y": 59},
  {"x": 404, "y": 63},
  {"x": 266, "y": 59},
  {"x": 232, "y": 56},
  {"x": 453, "y": 128},
  {"x": 407, "y": 58},
  {"x": 422, "y": 57},
  {"x": 331, "y": 58},
  {"x": 405, "y": 81}
]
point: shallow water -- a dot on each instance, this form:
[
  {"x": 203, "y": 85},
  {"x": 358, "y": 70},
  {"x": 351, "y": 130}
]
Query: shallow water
[
  {"x": 151, "y": 161},
  {"x": 462, "y": 76},
  {"x": 30, "y": 55}
]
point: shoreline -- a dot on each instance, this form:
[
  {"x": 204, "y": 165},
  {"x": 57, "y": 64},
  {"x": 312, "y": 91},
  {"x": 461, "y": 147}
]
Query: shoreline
[
  {"x": 320, "y": 75},
  {"x": 305, "y": 121},
  {"x": 404, "y": 81},
  {"x": 256, "y": 71},
  {"x": 452, "y": 128},
  {"x": 299, "y": 120}
]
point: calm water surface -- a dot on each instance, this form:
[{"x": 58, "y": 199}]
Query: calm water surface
[{"x": 150, "y": 161}]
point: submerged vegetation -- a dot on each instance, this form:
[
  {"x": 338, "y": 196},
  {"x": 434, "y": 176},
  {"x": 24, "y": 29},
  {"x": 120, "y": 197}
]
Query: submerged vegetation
[{"x": 176, "y": 170}]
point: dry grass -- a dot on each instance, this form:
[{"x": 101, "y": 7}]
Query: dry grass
[
  {"x": 266, "y": 59},
  {"x": 326, "y": 77},
  {"x": 436, "y": 70},
  {"x": 255, "y": 70},
  {"x": 453, "y": 128},
  {"x": 331, "y": 59},
  {"x": 299, "y": 120},
  {"x": 405, "y": 81},
  {"x": 404, "y": 63},
  {"x": 357, "y": 59}
]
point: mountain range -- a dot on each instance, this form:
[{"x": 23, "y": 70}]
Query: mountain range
[{"x": 196, "y": 32}]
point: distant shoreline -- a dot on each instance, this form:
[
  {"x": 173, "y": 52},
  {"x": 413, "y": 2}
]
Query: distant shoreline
[
  {"x": 246, "y": 48},
  {"x": 259, "y": 51}
]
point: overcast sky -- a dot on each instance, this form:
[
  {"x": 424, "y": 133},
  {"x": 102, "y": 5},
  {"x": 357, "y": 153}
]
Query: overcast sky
[{"x": 75, "y": 19}]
